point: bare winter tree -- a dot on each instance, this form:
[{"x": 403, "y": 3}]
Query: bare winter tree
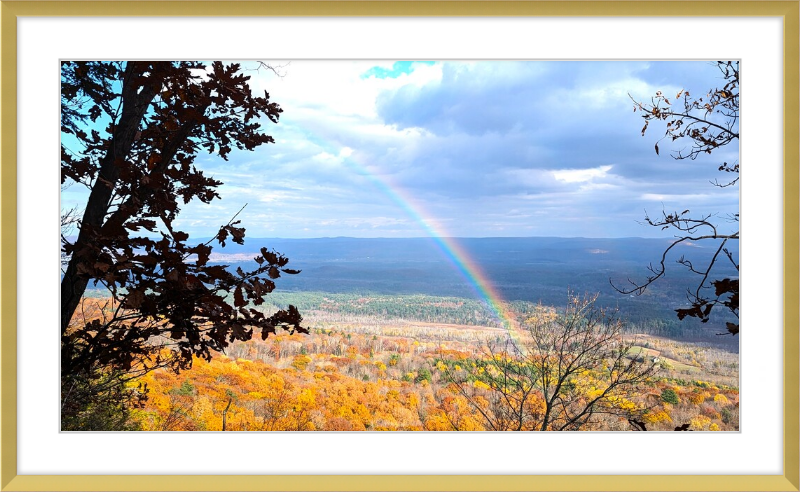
[
  {"x": 571, "y": 370},
  {"x": 707, "y": 124}
]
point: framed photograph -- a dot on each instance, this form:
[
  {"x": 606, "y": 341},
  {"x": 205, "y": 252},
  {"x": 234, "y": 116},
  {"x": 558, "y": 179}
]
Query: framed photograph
[{"x": 497, "y": 83}]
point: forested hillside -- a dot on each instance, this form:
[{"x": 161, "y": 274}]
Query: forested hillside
[
  {"x": 364, "y": 372},
  {"x": 377, "y": 363}
]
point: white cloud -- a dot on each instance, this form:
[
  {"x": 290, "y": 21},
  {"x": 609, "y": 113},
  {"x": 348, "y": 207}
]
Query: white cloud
[
  {"x": 581, "y": 175},
  {"x": 337, "y": 85},
  {"x": 370, "y": 222},
  {"x": 657, "y": 197},
  {"x": 503, "y": 147},
  {"x": 325, "y": 157}
]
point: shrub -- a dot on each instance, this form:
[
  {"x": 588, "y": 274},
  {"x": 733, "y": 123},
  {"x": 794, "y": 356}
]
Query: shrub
[
  {"x": 668, "y": 395},
  {"x": 300, "y": 362},
  {"x": 697, "y": 397},
  {"x": 423, "y": 375},
  {"x": 726, "y": 415},
  {"x": 186, "y": 389},
  {"x": 720, "y": 398}
]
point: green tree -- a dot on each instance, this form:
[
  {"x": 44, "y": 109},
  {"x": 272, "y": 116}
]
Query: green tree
[
  {"x": 100, "y": 401},
  {"x": 424, "y": 374},
  {"x": 668, "y": 395}
]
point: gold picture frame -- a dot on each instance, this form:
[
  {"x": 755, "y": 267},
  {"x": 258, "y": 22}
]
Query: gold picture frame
[{"x": 789, "y": 11}]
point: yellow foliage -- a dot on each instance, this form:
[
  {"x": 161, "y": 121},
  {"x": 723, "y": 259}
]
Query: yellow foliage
[
  {"x": 621, "y": 403},
  {"x": 300, "y": 362},
  {"x": 701, "y": 422},
  {"x": 203, "y": 411},
  {"x": 470, "y": 423},
  {"x": 698, "y": 397},
  {"x": 493, "y": 371},
  {"x": 481, "y": 385},
  {"x": 313, "y": 392},
  {"x": 705, "y": 384},
  {"x": 438, "y": 422},
  {"x": 306, "y": 399},
  {"x": 656, "y": 417}
]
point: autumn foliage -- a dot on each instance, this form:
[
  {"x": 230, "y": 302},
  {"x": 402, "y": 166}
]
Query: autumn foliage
[
  {"x": 342, "y": 377},
  {"x": 131, "y": 132}
]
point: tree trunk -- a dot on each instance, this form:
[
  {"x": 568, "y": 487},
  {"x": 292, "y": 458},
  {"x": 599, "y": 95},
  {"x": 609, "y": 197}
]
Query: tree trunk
[
  {"x": 135, "y": 100},
  {"x": 225, "y": 415}
]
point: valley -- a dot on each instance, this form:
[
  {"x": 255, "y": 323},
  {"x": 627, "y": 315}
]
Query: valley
[
  {"x": 394, "y": 371},
  {"x": 401, "y": 339}
]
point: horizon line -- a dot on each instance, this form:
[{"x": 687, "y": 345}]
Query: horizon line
[{"x": 201, "y": 237}]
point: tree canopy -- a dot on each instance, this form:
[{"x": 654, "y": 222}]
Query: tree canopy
[{"x": 131, "y": 132}]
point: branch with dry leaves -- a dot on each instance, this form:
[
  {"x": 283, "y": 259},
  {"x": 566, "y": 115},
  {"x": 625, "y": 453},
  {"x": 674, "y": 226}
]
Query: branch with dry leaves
[{"x": 707, "y": 123}]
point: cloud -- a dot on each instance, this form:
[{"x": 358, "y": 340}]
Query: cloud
[
  {"x": 479, "y": 148},
  {"x": 581, "y": 175},
  {"x": 652, "y": 197}
]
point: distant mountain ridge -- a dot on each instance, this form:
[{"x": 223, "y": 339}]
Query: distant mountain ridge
[
  {"x": 533, "y": 269},
  {"x": 425, "y": 249}
]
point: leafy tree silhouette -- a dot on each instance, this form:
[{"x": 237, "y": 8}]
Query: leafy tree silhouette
[{"x": 130, "y": 133}]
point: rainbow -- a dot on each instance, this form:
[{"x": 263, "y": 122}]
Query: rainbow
[{"x": 448, "y": 246}]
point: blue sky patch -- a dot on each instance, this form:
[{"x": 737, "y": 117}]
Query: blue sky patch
[{"x": 398, "y": 68}]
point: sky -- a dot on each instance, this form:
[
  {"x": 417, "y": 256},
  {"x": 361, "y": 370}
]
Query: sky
[{"x": 462, "y": 149}]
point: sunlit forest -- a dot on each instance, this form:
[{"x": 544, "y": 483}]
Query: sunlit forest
[
  {"x": 375, "y": 245},
  {"x": 412, "y": 362}
]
